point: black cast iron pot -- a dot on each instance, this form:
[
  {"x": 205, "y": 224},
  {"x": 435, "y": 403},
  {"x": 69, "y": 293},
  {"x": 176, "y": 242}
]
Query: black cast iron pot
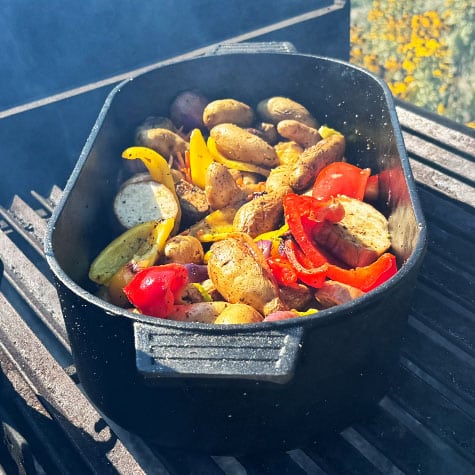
[{"x": 236, "y": 389}]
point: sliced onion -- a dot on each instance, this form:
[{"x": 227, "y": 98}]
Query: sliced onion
[{"x": 265, "y": 246}]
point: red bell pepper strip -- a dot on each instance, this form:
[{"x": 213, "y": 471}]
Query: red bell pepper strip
[
  {"x": 283, "y": 271},
  {"x": 340, "y": 178},
  {"x": 303, "y": 214},
  {"x": 313, "y": 276},
  {"x": 368, "y": 277},
  {"x": 155, "y": 290}
]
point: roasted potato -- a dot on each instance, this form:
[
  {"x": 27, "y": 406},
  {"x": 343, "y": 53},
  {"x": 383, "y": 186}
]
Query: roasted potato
[
  {"x": 163, "y": 141},
  {"x": 360, "y": 237},
  {"x": 183, "y": 249},
  {"x": 275, "y": 109},
  {"x": 262, "y": 214},
  {"x": 231, "y": 111},
  {"x": 238, "y": 144},
  {"x": 186, "y": 110},
  {"x": 200, "y": 312},
  {"x": 240, "y": 274},
  {"x": 145, "y": 200},
  {"x": 314, "y": 159},
  {"x": 298, "y": 132},
  {"x": 265, "y": 131},
  {"x": 238, "y": 313},
  {"x": 192, "y": 199},
  {"x": 278, "y": 181},
  {"x": 221, "y": 189}
]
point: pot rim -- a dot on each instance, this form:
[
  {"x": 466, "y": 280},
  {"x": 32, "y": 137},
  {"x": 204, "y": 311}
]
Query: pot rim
[{"x": 320, "y": 318}]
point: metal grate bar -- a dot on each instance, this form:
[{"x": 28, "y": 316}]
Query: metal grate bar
[
  {"x": 34, "y": 287},
  {"x": 37, "y": 430},
  {"x": 99, "y": 447},
  {"x": 443, "y": 135}
]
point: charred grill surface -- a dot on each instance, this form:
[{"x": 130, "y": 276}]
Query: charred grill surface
[{"x": 424, "y": 425}]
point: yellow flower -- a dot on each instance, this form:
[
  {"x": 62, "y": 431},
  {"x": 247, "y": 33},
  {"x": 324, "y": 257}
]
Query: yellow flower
[
  {"x": 425, "y": 22},
  {"x": 440, "y": 108},
  {"x": 392, "y": 64},
  {"x": 398, "y": 88},
  {"x": 409, "y": 66},
  {"x": 415, "y": 22},
  {"x": 374, "y": 15},
  {"x": 437, "y": 73}
]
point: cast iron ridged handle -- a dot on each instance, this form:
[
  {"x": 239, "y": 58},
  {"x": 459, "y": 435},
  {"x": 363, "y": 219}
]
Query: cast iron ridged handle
[{"x": 270, "y": 355}]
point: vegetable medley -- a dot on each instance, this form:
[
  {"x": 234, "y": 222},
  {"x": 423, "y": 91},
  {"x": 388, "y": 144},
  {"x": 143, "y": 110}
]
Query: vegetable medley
[{"x": 241, "y": 215}]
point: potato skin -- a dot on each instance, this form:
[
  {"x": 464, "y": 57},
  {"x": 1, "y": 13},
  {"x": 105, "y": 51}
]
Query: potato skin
[
  {"x": 238, "y": 313},
  {"x": 277, "y": 108},
  {"x": 193, "y": 202},
  {"x": 298, "y": 132},
  {"x": 221, "y": 189},
  {"x": 313, "y": 159},
  {"x": 241, "y": 277},
  {"x": 360, "y": 237},
  {"x": 260, "y": 215},
  {"x": 238, "y": 144},
  {"x": 183, "y": 250},
  {"x": 278, "y": 181},
  {"x": 200, "y": 312},
  {"x": 163, "y": 141},
  {"x": 230, "y": 111}
]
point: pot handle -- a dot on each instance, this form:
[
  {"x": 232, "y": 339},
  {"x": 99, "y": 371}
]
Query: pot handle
[
  {"x": 253, "y": 47},
  {"x": 166, "y": 352}
]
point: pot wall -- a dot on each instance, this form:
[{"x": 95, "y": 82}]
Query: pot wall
[{"x": 347, "y": 354}]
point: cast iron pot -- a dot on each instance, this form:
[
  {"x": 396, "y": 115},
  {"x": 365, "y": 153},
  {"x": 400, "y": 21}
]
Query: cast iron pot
[{"x": 236, "y": 389}]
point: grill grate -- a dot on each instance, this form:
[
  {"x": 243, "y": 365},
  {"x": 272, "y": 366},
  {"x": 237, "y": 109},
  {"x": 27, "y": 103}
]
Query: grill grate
[{"x": 424, "y": 425}]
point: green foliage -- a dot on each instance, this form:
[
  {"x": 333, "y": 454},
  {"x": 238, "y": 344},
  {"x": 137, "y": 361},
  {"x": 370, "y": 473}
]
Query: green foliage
[{"x": 423, "y": 49}]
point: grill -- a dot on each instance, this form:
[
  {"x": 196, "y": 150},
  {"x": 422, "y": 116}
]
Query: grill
[{"x": 424, "y": 425}]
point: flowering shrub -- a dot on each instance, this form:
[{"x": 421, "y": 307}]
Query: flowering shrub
[{"x": 424, "y": 50}]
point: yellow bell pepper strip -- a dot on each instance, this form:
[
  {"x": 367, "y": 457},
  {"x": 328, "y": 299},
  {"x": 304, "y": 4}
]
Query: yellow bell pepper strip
[
  {"x": 326, "y": 131},
  {"x": 158, "y": 169},
  {"x": 288, "y": 152},
  {"x": 234, "y": 164},
  {"x": 203, "y": 292},
  {"x": 200, "y": 158},
  {"x": 214, "y": 227},
  {"x": 160, "y": 234},
  {"x": 145, "y": 257}
]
